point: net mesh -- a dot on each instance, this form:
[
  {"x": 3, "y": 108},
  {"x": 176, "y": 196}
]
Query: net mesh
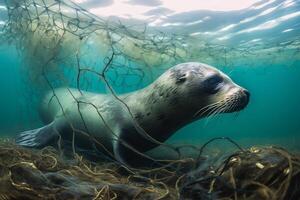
[
  {"x": 64, "y": 45},
  {"x": 59, "y": 36},
  {"x": 258, "y": 173},
  {"x": 54, "y": 33}
]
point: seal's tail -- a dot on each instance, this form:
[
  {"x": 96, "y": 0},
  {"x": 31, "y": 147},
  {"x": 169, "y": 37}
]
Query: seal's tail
[{"x": 38, "y": 138}]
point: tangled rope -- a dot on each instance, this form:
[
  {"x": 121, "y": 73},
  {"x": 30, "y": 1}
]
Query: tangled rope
[{"x": 58, "y": 37}]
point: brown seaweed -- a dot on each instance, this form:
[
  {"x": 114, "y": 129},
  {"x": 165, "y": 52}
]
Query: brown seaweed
[
  {"x": 267, "y": 173},
  {"x": 264, "y": 173}
]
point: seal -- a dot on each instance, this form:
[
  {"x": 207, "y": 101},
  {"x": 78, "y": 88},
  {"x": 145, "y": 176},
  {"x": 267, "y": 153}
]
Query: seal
[{"x": 129, "y": 124}]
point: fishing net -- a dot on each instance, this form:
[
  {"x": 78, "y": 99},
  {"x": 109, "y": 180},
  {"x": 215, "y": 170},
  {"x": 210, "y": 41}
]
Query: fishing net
[
  {"x": 63, "y": 44},
  {"x": 258, "y": 173},
  {"x": 44, "y": 175},
  {"x": 264, "y": 173},
  {"x": 57, "y": 34}
]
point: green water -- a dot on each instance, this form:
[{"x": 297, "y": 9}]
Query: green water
[
  {"x": 271, "y": 118},
  {"x": 272, "y": 76}
]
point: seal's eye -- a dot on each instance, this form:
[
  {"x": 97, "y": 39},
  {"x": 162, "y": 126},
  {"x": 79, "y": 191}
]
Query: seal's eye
[
  {"x": 213, "y": 84},
  {"x": 215, "y": 79}
]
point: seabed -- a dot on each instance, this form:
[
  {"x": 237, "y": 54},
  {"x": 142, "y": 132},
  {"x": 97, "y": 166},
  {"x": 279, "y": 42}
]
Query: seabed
[{"x": 258, "y": 173}]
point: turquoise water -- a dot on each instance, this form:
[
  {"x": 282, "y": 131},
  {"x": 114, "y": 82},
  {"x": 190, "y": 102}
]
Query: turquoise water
[{"x": 273, "y": 114}]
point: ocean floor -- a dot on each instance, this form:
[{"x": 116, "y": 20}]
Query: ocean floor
[{"x": 258, "y": 173}]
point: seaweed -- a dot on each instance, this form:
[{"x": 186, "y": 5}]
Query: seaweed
[
  {"x": 43, "y": 174},
  {"x": 263, "y": 173}
]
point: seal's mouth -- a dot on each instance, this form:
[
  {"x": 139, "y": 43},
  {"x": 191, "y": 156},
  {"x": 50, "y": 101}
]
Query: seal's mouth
[
  {"x": 233, "y": 103},
  {"x": 237, "y": 102}
]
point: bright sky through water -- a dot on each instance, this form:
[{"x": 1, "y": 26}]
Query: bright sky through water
[{"x": 137, "y": 8}]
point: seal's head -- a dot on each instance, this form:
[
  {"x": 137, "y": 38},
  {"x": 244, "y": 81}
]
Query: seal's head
[{"x": 205, "y": 90}]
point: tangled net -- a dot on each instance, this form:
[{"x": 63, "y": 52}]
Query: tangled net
[
  {"x": 44, "y": 175},
  {"x": 63, "y": 44},
  {"x": 258, "y": 173},
  {"x": 267, "y": 173},
  {"x": 59, "y": 37},
  {"x": 56, "y": 34}
]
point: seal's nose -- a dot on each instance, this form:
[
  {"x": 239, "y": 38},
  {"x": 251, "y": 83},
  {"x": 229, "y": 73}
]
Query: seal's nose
[{"x": 247, "y": 93}]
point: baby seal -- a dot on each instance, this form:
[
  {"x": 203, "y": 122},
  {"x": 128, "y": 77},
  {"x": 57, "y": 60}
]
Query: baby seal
[{"x": 135, "y": 122}]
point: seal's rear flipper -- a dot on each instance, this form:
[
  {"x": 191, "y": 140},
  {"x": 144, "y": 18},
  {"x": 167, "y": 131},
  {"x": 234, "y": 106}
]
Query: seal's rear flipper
[{"x": 38, "y": 138}]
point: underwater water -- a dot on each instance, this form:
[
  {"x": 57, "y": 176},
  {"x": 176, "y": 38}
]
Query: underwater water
[
  {"x": 117, "y": 48},
  {"x": 272, "y": 116}
]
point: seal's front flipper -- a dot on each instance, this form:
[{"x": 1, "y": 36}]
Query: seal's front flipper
[{"x": 38, "y": 138}]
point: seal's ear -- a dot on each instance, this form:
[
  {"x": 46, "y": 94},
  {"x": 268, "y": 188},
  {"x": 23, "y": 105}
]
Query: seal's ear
[{"x": 180, "y": 78}]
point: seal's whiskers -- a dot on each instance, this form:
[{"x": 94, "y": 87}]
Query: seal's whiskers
[
  {"x": 222, "y": 106},
  {"x": 207, "y": 108}
]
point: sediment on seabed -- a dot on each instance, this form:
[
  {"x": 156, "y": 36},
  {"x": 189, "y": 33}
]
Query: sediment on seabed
[{"x": 257, "y": 173}]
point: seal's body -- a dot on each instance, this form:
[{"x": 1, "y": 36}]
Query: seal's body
[{"x": 137, "y": 121}]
